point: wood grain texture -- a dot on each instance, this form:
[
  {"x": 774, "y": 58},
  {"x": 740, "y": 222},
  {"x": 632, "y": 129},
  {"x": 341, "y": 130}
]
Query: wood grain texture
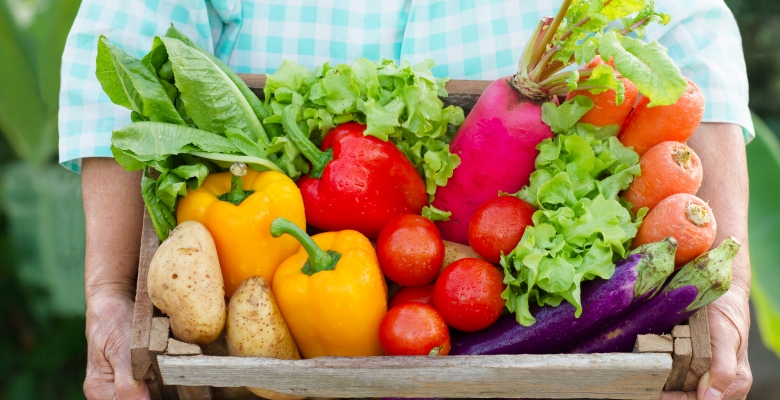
[
  {"x": 681, "y": 331},
  {"x": 158, "y": 343},
  {"x": 462, "y": 93},
  {"x": 654, "y": 344},
  {"x": 179, "y": 348},
  {"x": 702, "y": 352},
  {"x": 195, "y": 392},
  {"x": 140, "y": 357},
  {"x": 187, "y": 392},
  {"x": 681, "y": 363},
  {"x": 612, "y": 376}
]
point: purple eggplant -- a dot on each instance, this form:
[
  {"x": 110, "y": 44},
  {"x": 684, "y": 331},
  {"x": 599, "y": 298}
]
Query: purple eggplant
[
  {"x": 697, "y": 284},
  {"x": 636, "y": 278}
]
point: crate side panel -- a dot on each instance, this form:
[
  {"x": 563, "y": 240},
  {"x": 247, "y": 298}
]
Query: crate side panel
[{"x": 604, "y": 376}]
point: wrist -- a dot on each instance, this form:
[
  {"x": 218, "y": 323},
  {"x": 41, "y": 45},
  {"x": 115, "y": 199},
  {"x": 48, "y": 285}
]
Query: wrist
[{"x": 96, "y": 292}]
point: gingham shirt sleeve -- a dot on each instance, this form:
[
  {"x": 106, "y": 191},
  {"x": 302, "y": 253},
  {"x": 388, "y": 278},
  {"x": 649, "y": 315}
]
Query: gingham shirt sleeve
[
  {"x": 704, "y": 40},
  {"x": 86, "y": 115}
]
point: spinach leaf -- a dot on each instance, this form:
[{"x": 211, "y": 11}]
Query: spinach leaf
[{"x": 130, "y": 84}]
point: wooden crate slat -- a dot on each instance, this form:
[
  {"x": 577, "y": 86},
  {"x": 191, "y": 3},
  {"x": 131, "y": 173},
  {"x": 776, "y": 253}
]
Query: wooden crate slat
[
  {"x": 702, "y": 352},
  {"x": 140, "y": 357},
  {"x": 610, "y": 376},
  {"x": 462, "y": 93},
  {"x": 681, "y": 363}
]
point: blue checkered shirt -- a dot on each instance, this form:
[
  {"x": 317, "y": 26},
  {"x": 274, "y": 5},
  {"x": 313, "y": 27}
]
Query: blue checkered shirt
[{"x": 467, "y": 39}]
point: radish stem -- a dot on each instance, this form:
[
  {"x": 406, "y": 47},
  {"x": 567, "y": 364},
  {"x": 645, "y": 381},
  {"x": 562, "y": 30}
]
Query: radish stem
[{"x": 538, "y": 50}]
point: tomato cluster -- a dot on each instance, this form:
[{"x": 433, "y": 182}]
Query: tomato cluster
[{"x": 464, "y": 295}]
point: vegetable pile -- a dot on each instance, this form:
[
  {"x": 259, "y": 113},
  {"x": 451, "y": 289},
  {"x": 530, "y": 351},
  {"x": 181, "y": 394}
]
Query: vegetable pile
[{"x": 566, "y": 197}]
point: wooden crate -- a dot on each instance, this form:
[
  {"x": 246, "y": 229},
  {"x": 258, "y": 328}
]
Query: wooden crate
[{"x": 176, "y": 370}]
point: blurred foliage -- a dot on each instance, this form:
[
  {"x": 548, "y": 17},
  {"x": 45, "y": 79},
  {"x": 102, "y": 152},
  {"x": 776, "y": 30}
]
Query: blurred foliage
[
  {"x": 764, "y": 222},
  {"x": 759, "y": 24},
  {"x": 42, "y": 344}
]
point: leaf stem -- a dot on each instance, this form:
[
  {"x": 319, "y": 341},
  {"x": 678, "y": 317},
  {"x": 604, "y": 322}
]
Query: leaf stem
[
  {"x": 548, "y": 35},
  {"x": 234, "y": 158},
  {"x": 631, "y": 28},
  {"x": 561, "y": 76},
  {"x": 319, "y": 159}
]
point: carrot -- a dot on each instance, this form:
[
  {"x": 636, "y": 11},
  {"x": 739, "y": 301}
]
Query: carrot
[
  {"x": 685, "y": 217},
  {"x": 605, "y": 111},
  {"x": 647, "y": 127},
  {"x": 668, "y": 168}
]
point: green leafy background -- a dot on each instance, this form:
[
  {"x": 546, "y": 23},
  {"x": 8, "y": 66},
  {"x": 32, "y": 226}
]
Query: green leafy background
[{"x": 42, "y": 344}]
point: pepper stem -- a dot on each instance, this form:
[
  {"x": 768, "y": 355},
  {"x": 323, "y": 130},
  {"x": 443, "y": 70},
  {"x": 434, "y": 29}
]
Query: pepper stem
[
  {"x": 237, "y": 194},
  {"x": 319, "y": 260},
  {"x": 319, "y": 159}
]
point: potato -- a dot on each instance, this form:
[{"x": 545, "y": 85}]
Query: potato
[
  {"x": 255, "y": 328},
  {"x": 185, "y": 282}
]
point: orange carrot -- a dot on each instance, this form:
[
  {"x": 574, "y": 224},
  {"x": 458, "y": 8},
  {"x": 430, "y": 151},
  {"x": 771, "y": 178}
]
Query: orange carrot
[
  {"x": 647, "y": 127},
  {"x": 605, "y": 110},
  {"x": 668, "y": 168},
  {"x": 685, "y": 217}
]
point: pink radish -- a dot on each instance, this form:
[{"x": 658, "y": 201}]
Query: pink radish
[{"x": 497, "y": 148}]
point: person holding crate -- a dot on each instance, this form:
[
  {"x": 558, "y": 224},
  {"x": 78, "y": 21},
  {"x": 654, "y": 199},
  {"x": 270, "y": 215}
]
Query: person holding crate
[{"x": 467, "y": 39}]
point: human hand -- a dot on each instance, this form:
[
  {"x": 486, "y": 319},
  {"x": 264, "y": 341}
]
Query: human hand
[
  {"x": 109, "y": 373},
  {"x": 729, "y": 377}
]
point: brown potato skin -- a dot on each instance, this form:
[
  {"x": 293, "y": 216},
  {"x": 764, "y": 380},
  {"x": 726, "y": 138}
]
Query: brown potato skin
[
  {"x": 255, "y": 328},
  {"x": 185, "y": 282}
]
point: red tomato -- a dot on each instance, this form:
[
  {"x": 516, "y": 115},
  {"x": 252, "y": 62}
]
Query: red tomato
[
  {"x": 468, "y": 294},
  {"x": 498, "y": 225},
  {"x": 414, "y": 329},
  {"x": 417, "y": 294},
  {"x": 410, "y": 250}
]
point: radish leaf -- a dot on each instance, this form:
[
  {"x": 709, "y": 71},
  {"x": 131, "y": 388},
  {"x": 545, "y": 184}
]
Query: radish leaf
[{"x": 646, "y": 65}]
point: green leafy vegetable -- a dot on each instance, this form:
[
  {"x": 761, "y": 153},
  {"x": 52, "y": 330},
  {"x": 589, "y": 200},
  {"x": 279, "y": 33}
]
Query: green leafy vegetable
[
  {"x": 130, "y": 84},
  {"x": 582, "y": 30},
  {"x": 581, "y": 227},
  {"x": 647, "y": 66},
  {"x": 434, "y": 214},
  {"x": 397, "y": 103}
]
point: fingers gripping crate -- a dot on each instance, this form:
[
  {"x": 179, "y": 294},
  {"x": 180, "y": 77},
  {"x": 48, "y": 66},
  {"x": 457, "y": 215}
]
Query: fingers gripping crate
[{"x": 176, "y": 370}]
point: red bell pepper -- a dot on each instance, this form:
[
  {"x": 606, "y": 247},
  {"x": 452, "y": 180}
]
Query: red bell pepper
[{"x": 357, "y": 182}]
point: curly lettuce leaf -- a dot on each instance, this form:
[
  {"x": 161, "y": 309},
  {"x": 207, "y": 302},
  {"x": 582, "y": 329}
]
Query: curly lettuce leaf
[{"x": 581, "y": 226}]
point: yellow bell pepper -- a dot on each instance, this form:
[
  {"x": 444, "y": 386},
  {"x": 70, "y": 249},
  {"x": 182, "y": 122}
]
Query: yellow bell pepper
[
  {"x": 239, "y": 221},
  {"x": 331, "y": 293}
]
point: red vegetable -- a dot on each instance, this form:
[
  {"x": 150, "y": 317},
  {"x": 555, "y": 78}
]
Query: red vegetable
[
  {"x": 468, "y": 294},
  {"x": 414, "y": 329},
  {"x": 413, "y": 294},
  {"x": 498, "y": 225},
  {"x": 357, "y": 182},
  {"x": 410, "y": 250}
]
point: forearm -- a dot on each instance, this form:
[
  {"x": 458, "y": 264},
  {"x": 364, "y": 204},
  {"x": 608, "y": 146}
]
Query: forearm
[
  {"x": 721, "y": 149},
  {"x": 113, "y": 209}
]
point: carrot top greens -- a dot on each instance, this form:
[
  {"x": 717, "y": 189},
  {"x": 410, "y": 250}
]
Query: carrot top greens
[{"x": 586, "y": 28}]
